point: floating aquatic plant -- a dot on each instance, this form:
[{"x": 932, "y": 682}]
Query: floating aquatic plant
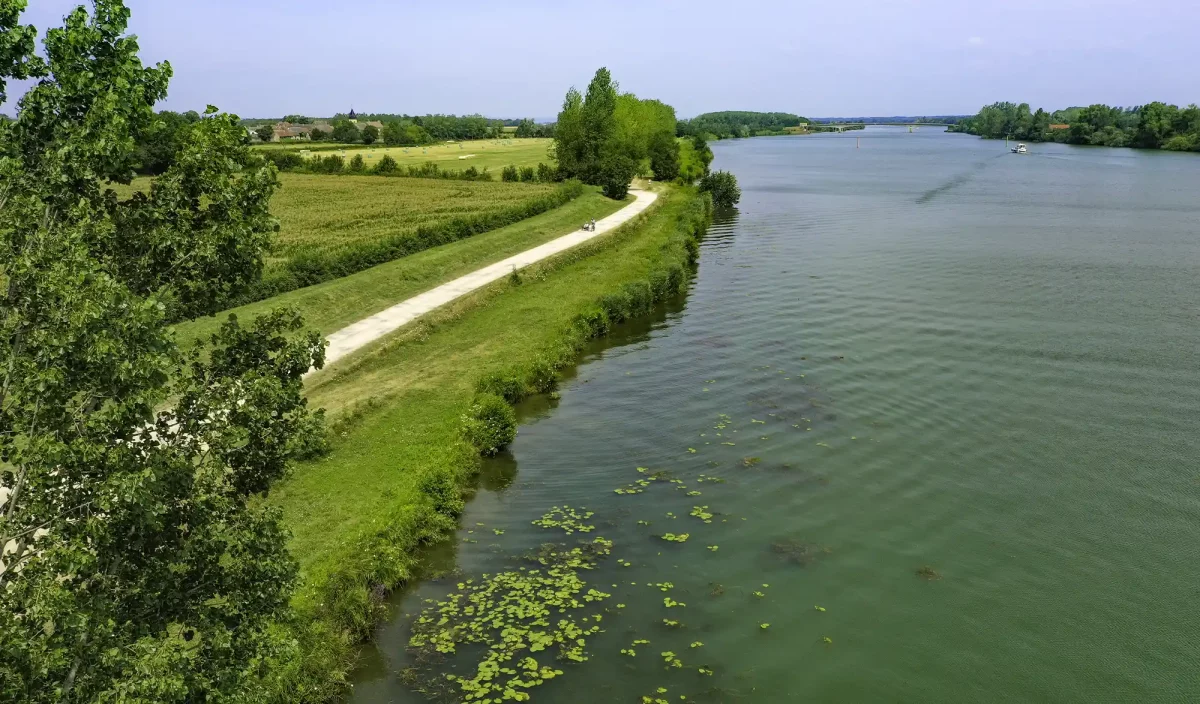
[
  {"x": 702, "y": 513},
  {"x": 672, "y": 538},
  {"x": 512, "y": 616},
  {"x": 750, "y": 461},
  {"x": 797, "y": 552},
  {"x": 714, "y": 548},
  {"x": 696, "y": 644},
  {"x": 928, "y": 573},
  {"x": 566, "y": 518}
]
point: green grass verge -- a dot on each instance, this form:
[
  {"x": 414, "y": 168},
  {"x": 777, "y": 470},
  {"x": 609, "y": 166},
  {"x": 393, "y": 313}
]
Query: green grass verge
[
  {"x": 394, "y": 478},
  {"x": 330, "y": 306}
]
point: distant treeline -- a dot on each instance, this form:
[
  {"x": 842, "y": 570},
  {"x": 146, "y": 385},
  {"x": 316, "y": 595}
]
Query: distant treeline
[
  {"x": 410, "y": 130},
  {"x": 906, "y": 119},
  {"x": 1152, "y": 126},
  {"x": 738, "y": 123}
]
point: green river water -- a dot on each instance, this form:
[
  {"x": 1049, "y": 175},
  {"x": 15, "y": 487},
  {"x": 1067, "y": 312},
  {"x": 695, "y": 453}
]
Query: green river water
[{"x": 924, "y": 351}]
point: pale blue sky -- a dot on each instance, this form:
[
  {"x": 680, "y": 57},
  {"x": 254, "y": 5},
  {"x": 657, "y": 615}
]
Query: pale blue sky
[{"x": 265, "y": 58}]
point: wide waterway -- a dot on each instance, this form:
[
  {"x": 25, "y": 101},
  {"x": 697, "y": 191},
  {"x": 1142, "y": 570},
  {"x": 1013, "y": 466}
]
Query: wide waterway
[{"x": 954, "y": 396}]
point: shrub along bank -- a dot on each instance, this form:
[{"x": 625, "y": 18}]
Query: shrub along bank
[{"x": 419, "y": 409}]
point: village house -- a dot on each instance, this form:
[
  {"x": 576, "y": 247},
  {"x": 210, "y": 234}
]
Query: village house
[{"x": 288, "y": 131}]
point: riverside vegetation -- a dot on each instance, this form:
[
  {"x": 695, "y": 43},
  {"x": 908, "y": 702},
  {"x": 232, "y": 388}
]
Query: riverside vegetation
[
  {"x": 1151, "y": 126},
  {"x": 145, "y": 540}
]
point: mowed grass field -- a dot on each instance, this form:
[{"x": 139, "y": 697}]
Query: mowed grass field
[
  {"x": 492, "y": 154},
  {"x": 323, "y": 213}
]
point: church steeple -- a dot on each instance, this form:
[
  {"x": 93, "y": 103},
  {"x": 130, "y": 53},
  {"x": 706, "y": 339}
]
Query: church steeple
[{"x": 353, "y": 115}]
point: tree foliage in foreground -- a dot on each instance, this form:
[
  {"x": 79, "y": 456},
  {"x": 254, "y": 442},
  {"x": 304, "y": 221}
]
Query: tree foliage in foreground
[{"x": 138, "y": 563}]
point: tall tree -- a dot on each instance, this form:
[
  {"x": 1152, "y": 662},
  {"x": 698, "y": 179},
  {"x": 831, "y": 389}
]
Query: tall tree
[
  {"x": 568, "y": 136},
  {"x": 370, "y": 134},
  {"x": 599, "y": 123},
  {"x": 265, "y": 132},
  {"x": 137, "y": 564},
  {"x": 346, "y": 132}
]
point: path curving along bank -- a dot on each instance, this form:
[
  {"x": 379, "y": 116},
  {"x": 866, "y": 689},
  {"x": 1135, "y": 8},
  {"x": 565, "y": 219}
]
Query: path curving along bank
[{"x": 357, "y": 335}]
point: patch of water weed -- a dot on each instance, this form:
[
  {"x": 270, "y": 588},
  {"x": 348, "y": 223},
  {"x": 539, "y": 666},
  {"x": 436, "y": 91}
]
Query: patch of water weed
[
  {"x": 702, "y": 513},
  {"x": 568, "y": 519},
  {"x": 717, "y": 589},
  {"x": 928, "y": 574},
  {"x": 513, "y": 618},
  {"x": 798, "y": 552},
  {"x": 673, "y": 538}
]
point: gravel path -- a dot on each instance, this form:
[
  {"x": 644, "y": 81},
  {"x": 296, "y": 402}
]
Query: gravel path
[{"x": 357, "y": 335}]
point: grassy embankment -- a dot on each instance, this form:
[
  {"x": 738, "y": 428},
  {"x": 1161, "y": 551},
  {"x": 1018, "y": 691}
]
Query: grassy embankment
[
  {"x": 332, "y": 305},
  {"x": 392, "y": 481},
  {"x": 492, "y": 154}
]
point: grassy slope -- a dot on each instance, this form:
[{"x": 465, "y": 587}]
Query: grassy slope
[
  {"x": 329, "y": 306},
  {"x": 489, "y": 153},
  {"x": 423, "y": 378}
]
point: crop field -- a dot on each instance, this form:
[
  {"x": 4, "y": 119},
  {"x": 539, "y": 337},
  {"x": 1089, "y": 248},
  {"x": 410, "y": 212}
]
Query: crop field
[
  {"x": 492, "y": 154},
  {"x": 327, "y": 213},
  {"x": 322, "y": 213}
]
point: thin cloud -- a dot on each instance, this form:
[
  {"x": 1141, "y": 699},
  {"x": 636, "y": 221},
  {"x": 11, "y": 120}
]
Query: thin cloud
[{"x": 975, "y": 41}]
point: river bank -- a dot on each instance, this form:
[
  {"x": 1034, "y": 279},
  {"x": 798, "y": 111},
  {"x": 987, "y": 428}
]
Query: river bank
[
  {"x": 938, "y": 492},
  {"x": 393, "y": 480}
]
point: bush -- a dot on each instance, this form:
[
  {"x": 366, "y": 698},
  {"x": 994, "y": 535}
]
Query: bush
[
  {"x": 490, "y": 424},
  {"x": 443, "y": 491},
  {"x": 528, "y": 174},
  {"x": 386, "y": 165},
  {"x": 509, "y": 173},
  {"x": 357, "y": 164},
  {"x": 312, "y": 438},
  {"x": 507, "y": 386},
  {"x": 332, "y": 164},
  {"x": 284, "y": 160},
  {"x": 616, "y": 173},
  {"x": 723, "y": 187},
  {"x": 545, "y": 173}
]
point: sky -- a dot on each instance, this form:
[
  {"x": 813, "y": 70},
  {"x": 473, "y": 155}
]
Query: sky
[{"x": 268, "y": 58}]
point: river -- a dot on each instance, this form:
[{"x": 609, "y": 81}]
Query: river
[{"x": 954, "y": 398}]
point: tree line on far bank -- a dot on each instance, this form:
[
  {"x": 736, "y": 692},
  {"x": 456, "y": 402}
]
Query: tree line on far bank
[
  {"x": 1152, "y": 126},
  {"x": 738, "y": 123}
]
